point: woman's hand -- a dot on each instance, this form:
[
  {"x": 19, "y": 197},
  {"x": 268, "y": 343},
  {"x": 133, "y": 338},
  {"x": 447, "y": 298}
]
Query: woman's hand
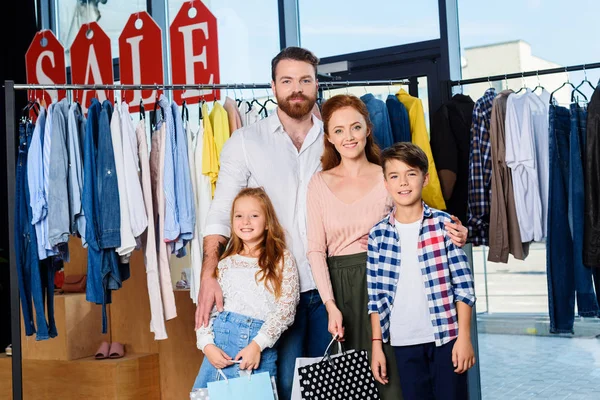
[
  {"x": 336, "y": 320},
  {"x": 457, "y": 232}
]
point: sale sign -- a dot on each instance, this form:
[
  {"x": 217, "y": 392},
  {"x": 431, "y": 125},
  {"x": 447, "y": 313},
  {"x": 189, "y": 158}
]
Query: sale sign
[
  {"x": 91, "y": 63},
  {"x": 45, "y": 64},
  {"x": 194, "y": 51},
  {"x": 140, "y": 44}
]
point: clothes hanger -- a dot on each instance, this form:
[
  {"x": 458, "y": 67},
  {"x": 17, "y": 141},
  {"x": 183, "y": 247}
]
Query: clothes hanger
[
  {"x": 185, "y": 113},
  {"x": 142, "y": 110},
  {"x": 539, "y": 85},
  {"x": 264, "y": 105},
  {"x": 523, "y": 85},
  {"x": 585, "y": 80},
  {"x": 567, "y": 82},
  {"x": 162, "y": 111}
]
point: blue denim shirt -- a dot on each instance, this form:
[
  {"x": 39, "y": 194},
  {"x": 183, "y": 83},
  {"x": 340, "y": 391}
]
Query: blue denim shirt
[
  {"x": 380, "y": 119},
  {"x": 76, "y": 129},
  {"x": 183, "y": 184},
  {"x": 398, "y": 119},
  {"x": 100, "y": 203}
]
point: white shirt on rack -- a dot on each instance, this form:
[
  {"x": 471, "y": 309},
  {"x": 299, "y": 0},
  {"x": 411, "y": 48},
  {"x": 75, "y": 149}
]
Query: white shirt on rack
[
  {"x": 242, "y": 294},
  {"x": 527, "y": 158},
  {"x": 263, "y": 155}
]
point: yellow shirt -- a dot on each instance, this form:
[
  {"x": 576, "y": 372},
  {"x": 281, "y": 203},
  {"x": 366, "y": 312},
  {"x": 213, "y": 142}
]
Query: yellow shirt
[
  {"x": 432, "y": 193},
  {"x": 220, "y": 125},
  {"x": 210, "y": 157}
]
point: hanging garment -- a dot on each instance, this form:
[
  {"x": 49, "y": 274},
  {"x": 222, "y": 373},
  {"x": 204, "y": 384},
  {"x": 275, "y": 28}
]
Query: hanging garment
[
  {"x": 315, "y": 111},
  {"x": 505, "y": 236},
  {"x": 186, "y": 211},
  {"x": 157, "y": 315},
  {"x": 40, "y": 208},
  {"x": 480, "y": 171},
  {"x": 210, "y": 158},
  {"x": 101, "y": 207},
  {"x": 157, "y": 161},
  {"x": 587, "y": 304},
  {"x": 233, "y": 113},
  {"x": 591, "y": 224},
  {"x": 195, "y": 247},
  {"x": 33, "y": 285},
  {"x": 138, "y": 216},
  {"x": 59, "y": 224},
  {"x": 450, "y": 137},
  {"x": 76, "y": 129},
  {"x": 378, "y": 114},
  {"x": 128, "y": 243},
  {"x": 526, "y": 119},
  {"x": 171, "y": 221},
  {"x": 398, "y": 119},
  {"x": 220, "y": 125},
  {"x": 432, "y": 193},
  {"x": 203, "y": 201},
  {"x": 249, "y": 114},
  {"x": 35, "y": 180}
]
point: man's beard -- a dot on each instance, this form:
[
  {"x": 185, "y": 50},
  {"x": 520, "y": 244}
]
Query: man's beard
[{"x": 297, "y": 110}]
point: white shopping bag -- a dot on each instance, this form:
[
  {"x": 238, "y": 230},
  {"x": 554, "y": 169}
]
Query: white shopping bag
[{"x": 303, "y": 362}]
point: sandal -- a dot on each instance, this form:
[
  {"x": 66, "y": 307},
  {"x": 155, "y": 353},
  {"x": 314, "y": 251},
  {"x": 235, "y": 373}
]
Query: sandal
[
  {"x": 102, "y": 351},
  {"x": 117, "y": 350}
]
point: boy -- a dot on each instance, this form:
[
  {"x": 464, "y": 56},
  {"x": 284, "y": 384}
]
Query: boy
[{"x": 420, "y": 287}]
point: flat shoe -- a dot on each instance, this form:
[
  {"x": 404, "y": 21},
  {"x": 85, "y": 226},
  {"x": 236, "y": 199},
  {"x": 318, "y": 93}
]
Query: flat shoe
[
  {"x": 116, "y": 350},
  {"x": 102, "y": 351}
]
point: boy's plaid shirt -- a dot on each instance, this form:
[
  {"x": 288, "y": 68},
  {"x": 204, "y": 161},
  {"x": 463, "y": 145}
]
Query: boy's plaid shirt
[{"x": 446, "y": 273}]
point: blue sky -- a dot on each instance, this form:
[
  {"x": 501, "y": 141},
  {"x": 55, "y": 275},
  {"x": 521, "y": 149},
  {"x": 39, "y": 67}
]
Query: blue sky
[{"x": 562, "y": 31}]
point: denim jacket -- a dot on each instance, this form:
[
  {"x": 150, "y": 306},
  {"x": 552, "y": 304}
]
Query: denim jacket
[{"x": 378, "y": 113}]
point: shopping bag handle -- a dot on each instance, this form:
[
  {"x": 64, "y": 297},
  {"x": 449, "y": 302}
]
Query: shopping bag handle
[
  {"x": 327, "y": 354},
  {"x": 221, "y": 373}
]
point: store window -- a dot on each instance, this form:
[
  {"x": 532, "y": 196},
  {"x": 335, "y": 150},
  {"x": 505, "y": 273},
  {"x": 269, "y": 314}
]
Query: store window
[
  {"x": 248, "y": 37},
  {"x": 111, "y": 15},
  {"x": 346, "y": 26}
]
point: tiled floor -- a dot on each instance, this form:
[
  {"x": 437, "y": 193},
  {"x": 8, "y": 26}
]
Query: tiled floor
[{"x": 535, "y": 367}]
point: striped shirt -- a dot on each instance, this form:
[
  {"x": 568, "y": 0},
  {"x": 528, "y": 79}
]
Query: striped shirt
[{"x": 445, "y": 268}]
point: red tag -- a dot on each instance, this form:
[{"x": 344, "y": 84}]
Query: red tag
[
  {"x": 45, "y": 64},
  {"x": 91, "y": 63},
  {"x": 194, "y": 51},
  {"x": 140, "y": 44}
]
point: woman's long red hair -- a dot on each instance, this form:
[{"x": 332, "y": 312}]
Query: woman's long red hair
[
  {"x": 272, "y": 247},
  {"x": 331, "y": 158}
]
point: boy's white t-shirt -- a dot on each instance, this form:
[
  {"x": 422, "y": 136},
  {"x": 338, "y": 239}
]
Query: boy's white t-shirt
[{"x": 410, "y": 320}]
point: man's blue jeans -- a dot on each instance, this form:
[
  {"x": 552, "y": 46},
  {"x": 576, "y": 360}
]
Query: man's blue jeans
[
  {"x": 587, "y": 305},
  {"x": 307, "y": 337}
]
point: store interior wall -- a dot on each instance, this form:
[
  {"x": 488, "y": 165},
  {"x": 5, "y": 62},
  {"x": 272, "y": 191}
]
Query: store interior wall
[{"x": 16, "y": 38}]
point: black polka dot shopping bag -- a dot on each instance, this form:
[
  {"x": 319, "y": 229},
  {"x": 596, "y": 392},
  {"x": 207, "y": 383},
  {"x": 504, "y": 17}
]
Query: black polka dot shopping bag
[{"x": 344, "y": 376}]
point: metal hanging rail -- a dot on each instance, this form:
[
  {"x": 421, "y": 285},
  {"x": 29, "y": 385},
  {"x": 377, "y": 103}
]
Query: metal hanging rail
[
  {"x": 216, "y": 86},
  {"x": 558, "y": 70}
]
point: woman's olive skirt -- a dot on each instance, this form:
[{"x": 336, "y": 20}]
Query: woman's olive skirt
[{"x": 349, "y": 281}]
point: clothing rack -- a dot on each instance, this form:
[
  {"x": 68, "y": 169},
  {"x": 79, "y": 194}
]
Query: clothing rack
[
  {"x": 11, "y": 134},
  {"x": 515, "y": 75}
]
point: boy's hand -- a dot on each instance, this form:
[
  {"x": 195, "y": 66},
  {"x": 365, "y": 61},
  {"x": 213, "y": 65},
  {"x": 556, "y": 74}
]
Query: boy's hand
[
  {"x": 463, "y": 356},
  {"x": 217, "y": 357},
  {"x": 250, "y": 356},
  {"x": 457, "y": 232},
  {"x": 378, "y": 363}
]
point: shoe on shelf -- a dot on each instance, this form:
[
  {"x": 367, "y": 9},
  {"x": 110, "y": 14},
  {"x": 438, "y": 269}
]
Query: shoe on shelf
[{"x": 8, "y": 350}]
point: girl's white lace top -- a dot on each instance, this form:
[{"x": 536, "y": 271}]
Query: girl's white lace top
[{"x": 242, "y": 294}]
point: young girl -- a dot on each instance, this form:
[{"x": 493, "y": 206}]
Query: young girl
[{"x": 260, "y": 293}]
